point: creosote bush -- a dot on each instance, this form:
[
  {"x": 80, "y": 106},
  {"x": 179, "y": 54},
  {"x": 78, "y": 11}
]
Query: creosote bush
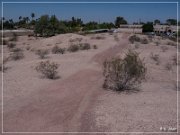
[
  {"x": 168, "y": 66},
  {"x": 73, "y": 48},
  {"x": 136, "y": 46},
  {"x": 95, "y": 47},
  {"x": 11, "y": 45},
  {"x": 174, "y": 59},
  {"x": 3, "y": 41},
  {"x": 155, "y": 57},
  {"x": 98, "y": 37},
  {"x": 157, "y": 43},
  {"x": 84, "y": 46},
  {"x": 144, "y": 41},
  {"x": 164, "y": 48},
  {"x": 17, "y": 50},
  {"x": 17, "y": 54},
  {"x": 42, "y": 53},
  {"x": 48, "y": 69},
  {"x": 57, "y": 50},
  {"x": 3, "y": 66},
  {"x": 14, "y": 37},
  {"x": 134, "y": 38},
  {"x": 124, "y": 74}
]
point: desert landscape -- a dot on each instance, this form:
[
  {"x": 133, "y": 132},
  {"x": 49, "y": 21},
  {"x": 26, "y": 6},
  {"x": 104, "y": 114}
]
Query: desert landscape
[
  {"x": 89, "y": 68},
  {"x": 76, "y": 100}
]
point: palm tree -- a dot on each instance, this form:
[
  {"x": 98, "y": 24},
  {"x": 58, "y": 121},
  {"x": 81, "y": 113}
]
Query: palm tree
[
  {"x": 32, "y": 15},
  {"x": 20, "y": 17}
]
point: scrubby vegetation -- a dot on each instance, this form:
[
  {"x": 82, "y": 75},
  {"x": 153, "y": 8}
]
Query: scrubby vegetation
[
  {"x": 164, "y": 48},
  {"x": 17, "y": 54},
  {"x": 75, "y": 40},
  {"x": 77, "y": 47},
  {"x": 95, "y": 47},
  {"x": 3, "y": 66},
  {"x": 57, "y": 50},
  {"x": 3, "y": 41},
  {"x": 134, "y": 38},
  {"x": 175, "y": 61},
  {"x": 48, "y": 69},
  {"x": 98, "y": 37},
  {"x": 124, "y": 74},
  {"x": 14, "y": 37},
  {"x": 155, "y": 57},
  {"x": 42, "y": 53},
  {"x": 73, "y": 48},
  {"x": 144, "y": 41},
  {"x": 136, "y": 46},
  {"x": 168, "y": 66},
  {"x": 11, "y": 45},
  {"x": 84, "y": 46}
]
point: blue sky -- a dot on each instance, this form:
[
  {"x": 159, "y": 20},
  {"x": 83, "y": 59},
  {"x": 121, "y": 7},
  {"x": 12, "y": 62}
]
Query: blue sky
[{"x": 95, "y": 12}]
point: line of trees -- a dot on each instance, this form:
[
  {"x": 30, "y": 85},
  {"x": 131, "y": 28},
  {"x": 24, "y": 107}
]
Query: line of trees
[{"x": 50, "y": 25}]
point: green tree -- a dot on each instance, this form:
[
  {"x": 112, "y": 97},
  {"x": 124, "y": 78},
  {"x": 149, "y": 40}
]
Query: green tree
[
  {"x": 120, "y": 20},
  {"x": 157, "y": 21},
  {"x": 32, "y": 15},
  {"x": 148, "y": 27},
  {"x": 171, "y": 21},
  {"x": 42, "y": 25},
  {"x": 20, "y": 17}
]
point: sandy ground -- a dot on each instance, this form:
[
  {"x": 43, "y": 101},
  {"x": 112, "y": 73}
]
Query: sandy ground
[{"x": 76, "y": 102}]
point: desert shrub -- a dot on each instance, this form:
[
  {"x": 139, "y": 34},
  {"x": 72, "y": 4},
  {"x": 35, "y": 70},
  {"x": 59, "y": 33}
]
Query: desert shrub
[
  {"x": 14, "y": 37},
  {"x": 73, "y": 48},
  {"x": 171, "y": 43},
  {"x": 57, "y": 50},
  {"x": 136, "y": 46},
  {"x": 11, "y": 45},
  {"x": 98, "y": 37},
  {"x": 150, "y": 37},
  {"x": 76, "y": 39},
  {"x": 95, "y": 47},
  {"x": 174, "y": 59},
  {"x": 85, "y": 46},
  {"x": 17, "y": 50},
  {"x": 42, "y": 53},
  {"x": 3, "y": 66},
  {"x": 164, "y": 48},
  {"x": 3, "y": 41},
  {"x": 168, "y": 66},
  {"x": 116, "y": 38},
  {"x": 28, "y": 48},
  {"x": 157, "y": 43},
  {"x": 144, "y": 41},
  {"x": 48, "y": 69},
  {"x": 17, "y": 55},
  {"x": 124, "y": 74},
  {"x": 134, "y": 38},
  {"x": 155, "y": 57}
]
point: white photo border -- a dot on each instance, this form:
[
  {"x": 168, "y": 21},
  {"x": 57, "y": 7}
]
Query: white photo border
[{"x": 177, "y": 85}]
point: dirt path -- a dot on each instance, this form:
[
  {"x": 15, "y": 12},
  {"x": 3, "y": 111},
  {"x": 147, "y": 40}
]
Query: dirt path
[{"x": 64, "y": 105}]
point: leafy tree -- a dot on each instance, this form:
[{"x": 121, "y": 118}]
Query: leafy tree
[
  {"x": 157, "y": 21},
  {"x": 171, "y": 21},
  {"x": 120, "y": 20},
  {"x": 42, "y": 25},
  {"x": 49, "y": 26},
  {"x": 8, "y": 24},
  {"x": 148, "y": 27},
  {"x": 91, "y": 26}
]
